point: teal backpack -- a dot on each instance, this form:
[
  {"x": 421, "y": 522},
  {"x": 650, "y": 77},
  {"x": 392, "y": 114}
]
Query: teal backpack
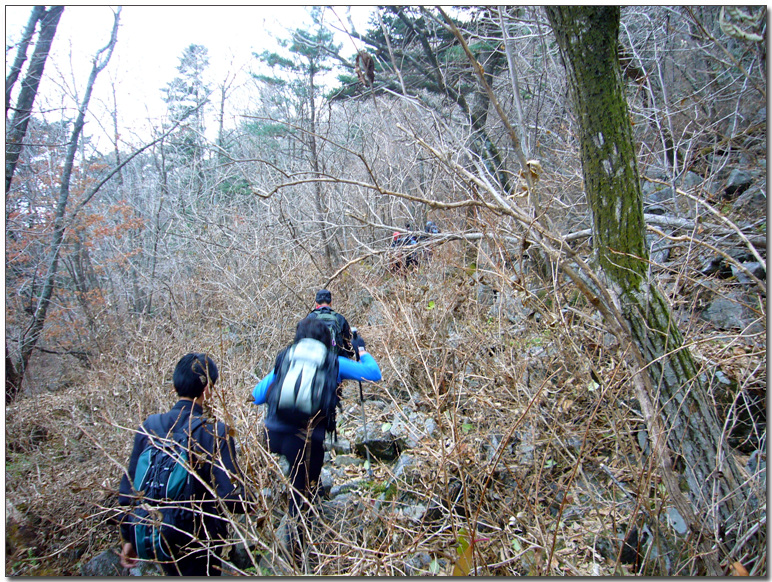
[{"x": 163, "y": 516}]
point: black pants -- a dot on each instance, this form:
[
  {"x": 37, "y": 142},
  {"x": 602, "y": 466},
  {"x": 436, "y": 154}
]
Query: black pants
[
  {"x": 305, "y": 454},
  {"x": 198, "y": 564}
]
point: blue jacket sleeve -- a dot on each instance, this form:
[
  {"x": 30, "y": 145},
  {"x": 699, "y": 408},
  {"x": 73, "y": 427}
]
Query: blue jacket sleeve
[
  {"x": 261, "y": 389},
  {"x": 365, "y": 369}
]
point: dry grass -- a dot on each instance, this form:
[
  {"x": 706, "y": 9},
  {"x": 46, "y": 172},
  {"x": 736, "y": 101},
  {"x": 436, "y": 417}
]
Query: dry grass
[{"x": 535, "y": 448}]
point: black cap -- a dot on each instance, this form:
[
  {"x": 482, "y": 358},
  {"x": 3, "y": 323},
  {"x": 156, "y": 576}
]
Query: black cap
[{"x": 323, "y": 296}]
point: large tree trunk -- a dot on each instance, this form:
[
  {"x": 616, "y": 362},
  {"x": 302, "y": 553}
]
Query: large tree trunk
[
  {"x": 49, "y": 20},
  {"x": 587, "y": 37}
]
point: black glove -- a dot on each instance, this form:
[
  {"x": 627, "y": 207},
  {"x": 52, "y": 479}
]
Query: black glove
[{"x": 357, "y": 342}]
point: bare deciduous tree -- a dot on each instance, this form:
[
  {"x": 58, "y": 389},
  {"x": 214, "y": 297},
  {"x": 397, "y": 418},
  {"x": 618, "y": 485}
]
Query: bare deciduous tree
[{"x": 31, "y": 334}]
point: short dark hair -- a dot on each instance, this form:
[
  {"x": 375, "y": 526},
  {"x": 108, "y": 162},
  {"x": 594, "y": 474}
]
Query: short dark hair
[
  {"x": 323, "y": 296},
  {"x": 193, "y": 373},
  {"x": 311, "y": 327}
]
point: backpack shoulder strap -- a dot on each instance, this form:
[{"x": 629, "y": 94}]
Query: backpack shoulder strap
[
  {"x": 154, "y": 424},
  {"x": 195, "y": 424}
]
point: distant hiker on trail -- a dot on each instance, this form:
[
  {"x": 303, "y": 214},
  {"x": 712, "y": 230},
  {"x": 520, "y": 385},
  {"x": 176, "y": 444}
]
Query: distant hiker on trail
[
  {"x": 182, "y": 532},
  {"x": 335, "y": 321},
  {"x": 404, "y": 259},
  {"x": 302, "y": 396}
]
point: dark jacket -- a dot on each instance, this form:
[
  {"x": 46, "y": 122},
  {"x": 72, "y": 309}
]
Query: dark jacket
[
  {"x": 345, "y": 331},
  {"x": 214, "y": 449}
]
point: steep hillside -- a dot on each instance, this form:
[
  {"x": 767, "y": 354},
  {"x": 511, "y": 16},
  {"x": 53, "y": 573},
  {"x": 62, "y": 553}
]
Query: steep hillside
[{"x": 504, "y": 410}]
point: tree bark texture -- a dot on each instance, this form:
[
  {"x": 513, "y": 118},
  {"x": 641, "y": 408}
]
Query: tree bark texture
[
  {"x": 49, "y": 20},
  {"x": 21, "y": 54},
  {"x": 587, "y": 37}
]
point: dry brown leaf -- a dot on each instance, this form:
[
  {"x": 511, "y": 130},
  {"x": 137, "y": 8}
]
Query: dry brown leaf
[{"x": 739, "y": 570}]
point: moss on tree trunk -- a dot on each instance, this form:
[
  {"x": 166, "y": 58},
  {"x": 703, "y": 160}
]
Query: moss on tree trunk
[{"x": 587, "y": 37}]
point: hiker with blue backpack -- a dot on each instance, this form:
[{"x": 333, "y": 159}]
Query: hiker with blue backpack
[
  {"x": 302, "y": 395},
  {"x": 182, "y": 474}
]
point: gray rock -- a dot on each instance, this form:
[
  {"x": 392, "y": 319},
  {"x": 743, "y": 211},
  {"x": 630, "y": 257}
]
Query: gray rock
[
  {"x": 716, "y": 265},
  {"x": 753, "y": 200},
  {"x": 728, "y": 312},
  {"x": 326, "y": 478},
  {"x": 642, "y": 436},
  {"x": 418, "y": 564},
  {"x": 676, "y": 521},
  {"x": 690, "y": 181},
  {"x": 341, "y": 446},
  {"x": 146, "y": 569},
  {"x": 656, "y": 193},
  {"x": 381, "y": 447},
  {"x": 347, "y": 461},
  {"x": 108, "y": 563},
  {"x": 339, "y": 490},
  {"x": 525, "y": 447},
  {"x": 414, "y": 512},
  {"x": 659, "y": 249},
  {"x": 755, "y": 268},
  {"x": 283, "y": 465},
  {"x": 408, "y": 431},
  {"x": 737, "y": 183},
  {"x": 347, "y": 507}
]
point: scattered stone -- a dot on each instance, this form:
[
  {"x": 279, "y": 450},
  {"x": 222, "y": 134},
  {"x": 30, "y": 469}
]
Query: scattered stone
[
  {"x": 341, "y": 446},
  {"x": 690, "y": 181},
  {"x": 737, "y": 183},
  {"x": 347, "y": 461},
  {"x": 338, "y": 490},
  {"x": 755, "y": 268},
  {"x": 405, "y": 462},
  {"x": 418, "y": 564},
  {"x": 408, "y": 432},
  {"x": 716, "y": 265},
  {"x": 656, "y": 194},
  {"x": 108, "y": 563},
  {"x": 752, "y": 201},
  {"x": 146, "y": 569},
  {"x": 676, "y": 521},
  {"x": 729, "y": 311},
  {"x": 381, "y": 447},
  {"x": 659, "y": 249},
  {"x": 412, "y": 512}
]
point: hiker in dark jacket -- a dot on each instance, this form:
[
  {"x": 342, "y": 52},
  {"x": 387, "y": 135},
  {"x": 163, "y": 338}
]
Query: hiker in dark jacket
[
  {"x": 303, "y": 444},
  {"x": 213, "y": 454},
  {"x": 323, "y": 301}
]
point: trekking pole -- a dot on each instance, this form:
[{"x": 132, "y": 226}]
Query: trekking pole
[{"x": 362, "y": 403}]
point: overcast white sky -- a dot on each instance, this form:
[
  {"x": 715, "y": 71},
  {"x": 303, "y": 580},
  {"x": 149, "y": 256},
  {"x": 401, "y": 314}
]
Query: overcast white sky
[{"x": 150, "y": 41}]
